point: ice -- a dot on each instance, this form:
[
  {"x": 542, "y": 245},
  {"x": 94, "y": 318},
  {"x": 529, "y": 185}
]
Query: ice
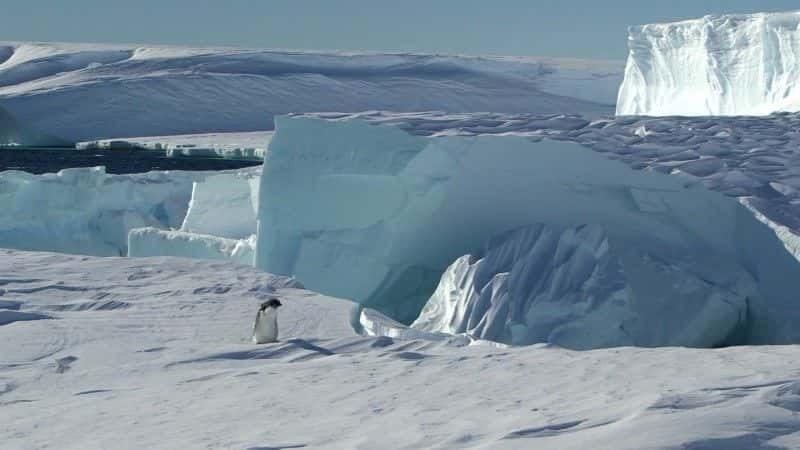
[
  {"x": 374, "y": 207},
  {"x": 220, "y": 222},
  {"x": 86, "y": 210},
  {"x": 716, "y": 65},
  {"x": 152, "y": 91},
  {"x": 151, "y": 241},
  {"x": 579, "y": 288},
  {"x": 224, "y": 205}
]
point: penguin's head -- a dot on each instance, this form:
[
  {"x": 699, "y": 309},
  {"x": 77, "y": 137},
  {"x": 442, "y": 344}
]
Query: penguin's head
[{"x": 271, "y": 303}]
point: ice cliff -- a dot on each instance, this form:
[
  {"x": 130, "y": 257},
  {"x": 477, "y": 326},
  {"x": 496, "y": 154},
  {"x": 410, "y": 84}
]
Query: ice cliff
[
  {"x": 375, "y": 207},
  {"x": 715, "y": 65}
]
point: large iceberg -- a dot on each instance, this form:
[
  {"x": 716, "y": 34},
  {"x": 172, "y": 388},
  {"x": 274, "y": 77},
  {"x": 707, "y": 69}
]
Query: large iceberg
[
  {"x": 715, "y": 65},
  {"x": 83, "y": 92},
  {"x": 375, "y": 207}
]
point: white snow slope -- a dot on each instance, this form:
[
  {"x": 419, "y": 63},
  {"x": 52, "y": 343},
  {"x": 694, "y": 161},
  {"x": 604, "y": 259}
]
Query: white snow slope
[
  {"x": 82, "y": 92},
  {"x": 715, "y": 65},
  {"x": 154, "y": 353},
  {"x": 374, "y": 207},
  {"x": 13, "y": 133}
]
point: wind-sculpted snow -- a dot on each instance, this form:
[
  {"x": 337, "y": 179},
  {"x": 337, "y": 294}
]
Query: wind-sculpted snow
[
  {"x": 579, "y": 288},
  {"x": 83, "y": 92},
  {"x": 375, "y": 206},
  {"x": 715, "y": 65}
]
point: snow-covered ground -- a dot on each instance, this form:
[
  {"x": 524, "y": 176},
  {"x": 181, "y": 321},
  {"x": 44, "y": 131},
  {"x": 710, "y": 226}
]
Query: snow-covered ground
[
  {"x": 154, "y": 353},
  {"x": 83, "y": 92}
]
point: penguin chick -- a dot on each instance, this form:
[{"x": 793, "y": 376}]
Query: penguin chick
[{"x": 265, "y": 328}]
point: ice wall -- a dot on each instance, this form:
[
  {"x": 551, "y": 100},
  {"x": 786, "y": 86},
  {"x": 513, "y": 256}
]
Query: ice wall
[
  {"x": 220, "y": 222},
  {"x": 224, "y": 205},
  {"x": 87, "y": 211},
  {"x": 373, "y": 213},
  {"x": 715, "y": 65}
]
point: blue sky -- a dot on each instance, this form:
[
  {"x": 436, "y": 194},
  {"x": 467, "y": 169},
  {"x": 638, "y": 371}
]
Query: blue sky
[{"x": 577, "y": 28}]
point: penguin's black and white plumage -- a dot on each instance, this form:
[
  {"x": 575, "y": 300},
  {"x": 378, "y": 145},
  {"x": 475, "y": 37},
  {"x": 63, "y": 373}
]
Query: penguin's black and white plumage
[{"x": 265, "y": 328}]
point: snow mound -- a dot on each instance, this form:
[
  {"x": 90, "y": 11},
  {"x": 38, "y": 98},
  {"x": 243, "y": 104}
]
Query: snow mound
[
  {"x": 83, "y": 92},
  {"x": 579, "y": 288},
  {"x": 374, "y": 207},
  {"x": 715, "y": 65}
]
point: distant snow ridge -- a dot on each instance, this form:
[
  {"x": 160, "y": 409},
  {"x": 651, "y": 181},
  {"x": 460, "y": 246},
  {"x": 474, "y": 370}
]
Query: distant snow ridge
[
  {"x": 374, "y": 207},
  {"x": 83, "y": 92},
  {"x": 580, "y": 288},
  {"x": 715, "y": 65}
]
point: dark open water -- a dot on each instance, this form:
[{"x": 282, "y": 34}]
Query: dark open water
[{"x": 43, "y": 160}]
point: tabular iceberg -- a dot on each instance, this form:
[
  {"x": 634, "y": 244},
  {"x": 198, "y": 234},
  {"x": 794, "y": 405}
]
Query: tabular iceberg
[
  {"x": 715, "y": 65},
  {"x": 371, "y": 212}
]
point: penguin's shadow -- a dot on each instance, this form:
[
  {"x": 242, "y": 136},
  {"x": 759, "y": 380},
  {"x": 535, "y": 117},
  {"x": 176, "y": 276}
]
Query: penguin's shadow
[
  {"x": 292, "y": 349},
  {"x": 278, "y": 447}
]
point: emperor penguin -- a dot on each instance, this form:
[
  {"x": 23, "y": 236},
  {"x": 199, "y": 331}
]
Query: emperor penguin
[{"x": 265, "y": 328}]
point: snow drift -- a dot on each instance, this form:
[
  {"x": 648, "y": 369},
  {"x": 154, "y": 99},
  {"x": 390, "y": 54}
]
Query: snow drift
[
  {"x": 715, "y": 65},
  {"x": 82, "y": 92},
  {"x": 374, "y": 213}
]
